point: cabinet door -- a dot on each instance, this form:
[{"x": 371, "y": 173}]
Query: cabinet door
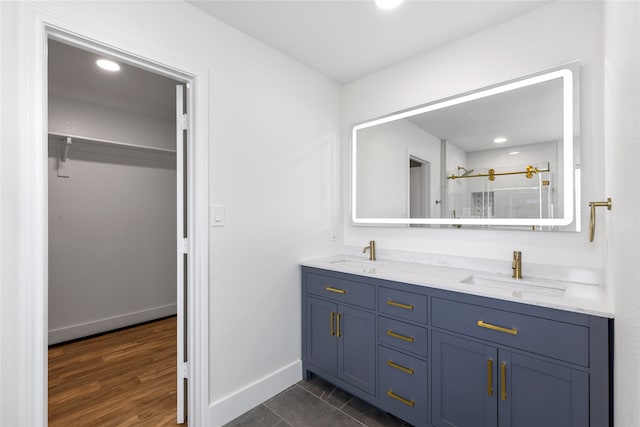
[
  {"x": 322, "y": 345},
  {"x": 540, "y": 393},
  {"x": 464, "y": 382},
  {"x": 357, "y": 348}
]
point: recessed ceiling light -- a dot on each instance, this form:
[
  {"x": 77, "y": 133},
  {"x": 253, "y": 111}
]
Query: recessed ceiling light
[
  {"x": 500, "y": 140},
  {"x": 514, "y": 152},
  {"x": 388, "y": 4},
  {"x": 108, "y": 65}
]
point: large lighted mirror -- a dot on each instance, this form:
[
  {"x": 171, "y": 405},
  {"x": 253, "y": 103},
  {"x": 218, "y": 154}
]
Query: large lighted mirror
[{"x": 504, "y": 156}]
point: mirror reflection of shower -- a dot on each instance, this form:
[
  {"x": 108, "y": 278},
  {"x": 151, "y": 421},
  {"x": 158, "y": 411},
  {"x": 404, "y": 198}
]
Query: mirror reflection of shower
[{"x": 467, "y": 172}]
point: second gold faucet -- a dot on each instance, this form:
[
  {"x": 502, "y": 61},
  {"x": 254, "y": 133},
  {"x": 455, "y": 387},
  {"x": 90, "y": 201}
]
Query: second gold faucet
[
  {"x": 372, "y": 250},
  {"x": 516, "y": 265}
]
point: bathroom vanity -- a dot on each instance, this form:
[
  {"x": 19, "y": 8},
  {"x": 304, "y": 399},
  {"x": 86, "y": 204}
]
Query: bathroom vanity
[{"x": 449, "y": 347}]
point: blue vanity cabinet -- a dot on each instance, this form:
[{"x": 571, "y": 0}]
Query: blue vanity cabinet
[
  {"x": 475, "y": 384},
  {"x": 339, "y": 338},
  {"x": 540, "y": 379},
  {"x": 434, "y": 357},
  {"x": 540, "y": 393},
  {"x": 403, "y": 353},
  {"x": 356, "y": 348},
  {"x": 322, "y": 345},
  {"x": 464, "y": 382}
]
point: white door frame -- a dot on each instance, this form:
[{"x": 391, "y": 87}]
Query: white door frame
[{"x": 31, "y": 177}]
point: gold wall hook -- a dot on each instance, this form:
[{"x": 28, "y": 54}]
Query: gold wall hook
[{"x": 592, "y": 220}]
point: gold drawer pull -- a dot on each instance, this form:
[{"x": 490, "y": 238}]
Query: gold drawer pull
[
  {"x": 400, "y": 337},
  {"x": 400, "y": 305},
  {"x": 512, "y": 331},
  {"x": 503, "y": 380},
  {"x": 338, "y": 333},
  {"x": 332, "y": 329},
  {"x": 400, "y": 367},
  {"x": 336, "y": 290},
  {"x": 400, "y": 398},
  {"x": 490, "y": 377}
]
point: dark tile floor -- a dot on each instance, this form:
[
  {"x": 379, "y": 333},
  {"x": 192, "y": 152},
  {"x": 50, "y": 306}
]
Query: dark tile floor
[{"x": 315, "y": 403}]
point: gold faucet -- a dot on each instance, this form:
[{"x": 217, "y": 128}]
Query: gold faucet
[
  {"x": 372, "y": 250},
  {"x": 516, "y": 265}
]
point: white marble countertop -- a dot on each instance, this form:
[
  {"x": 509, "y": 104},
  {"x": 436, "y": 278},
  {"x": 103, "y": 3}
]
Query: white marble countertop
[{"x": 587, "y": 298}]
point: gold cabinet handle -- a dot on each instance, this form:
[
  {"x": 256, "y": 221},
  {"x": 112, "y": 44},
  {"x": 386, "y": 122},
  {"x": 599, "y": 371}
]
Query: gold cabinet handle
[
  {"x": 592, "y": 220},
  {"x": 400, "y": 398},
  {"x": 503, "y": 381},
  {"x": 400, "y": 367},
  {"x": 490, "y": 377},
  {"x": 336, "y": 290},
  {"x": 400, "y": 305},
  {"x": 339, "y": 317},
  {"x": 400, "y": 337},
  {"x": 512, "y": 331},
  {"x": 331, "y": 324}
]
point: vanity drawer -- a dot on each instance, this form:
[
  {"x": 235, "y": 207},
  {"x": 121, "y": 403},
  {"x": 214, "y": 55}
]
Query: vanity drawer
[
  {"x": 403, "y": 385},
  {"x": 406, "y": 305},
  {"x": 341, "y": 290},
  {"x": 551, "y": 338},
  {"x": 403, "y": 336}
]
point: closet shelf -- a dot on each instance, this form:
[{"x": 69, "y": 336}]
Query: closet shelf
[{"x": 106, "y": 141}]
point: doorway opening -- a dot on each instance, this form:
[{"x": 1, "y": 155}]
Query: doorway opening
[
  {"x": 419, "y": 188},
  {"x": 118, "y": 200}
]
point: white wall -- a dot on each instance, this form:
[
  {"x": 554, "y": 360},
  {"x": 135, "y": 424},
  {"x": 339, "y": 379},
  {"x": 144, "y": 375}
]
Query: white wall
[
  {"x": 15, "y": 401},
  {"x": 622, "y": 139},
  {"x": 273, "y": 130},
  {"x": 112, "y": 222},
  {"x": 383, "y": 162},
  {"x": 105, "y": 122},
  {"x": 273, "y": 142},
  {"x": 546, "y": 37}
]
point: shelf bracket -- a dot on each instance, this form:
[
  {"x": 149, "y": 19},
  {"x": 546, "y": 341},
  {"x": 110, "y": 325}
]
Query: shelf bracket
[{"x": 63, "y": 165}]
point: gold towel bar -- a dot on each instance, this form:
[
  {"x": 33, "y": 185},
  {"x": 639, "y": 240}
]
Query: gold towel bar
[{"x": 592, "y": 220}]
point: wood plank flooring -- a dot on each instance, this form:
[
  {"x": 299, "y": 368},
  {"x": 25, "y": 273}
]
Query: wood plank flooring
[{"x": 124, "y": 378}]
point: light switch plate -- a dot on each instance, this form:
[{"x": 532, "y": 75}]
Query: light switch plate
[{"x": 216, "y": 215}]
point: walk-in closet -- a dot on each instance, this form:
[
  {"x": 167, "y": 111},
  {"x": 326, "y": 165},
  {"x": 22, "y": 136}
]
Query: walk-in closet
[{"x": 112, "y": 197}]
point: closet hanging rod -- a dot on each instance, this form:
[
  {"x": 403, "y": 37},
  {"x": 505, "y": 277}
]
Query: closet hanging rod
[{"x": 107, "y": 141}]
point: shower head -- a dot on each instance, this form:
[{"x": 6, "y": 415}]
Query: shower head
[{"x": 467, "y": 172}]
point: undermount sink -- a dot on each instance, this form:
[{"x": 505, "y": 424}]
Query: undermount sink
[
  {"x": 353, "y": 264},
  {"x": 518, "y": 286}
]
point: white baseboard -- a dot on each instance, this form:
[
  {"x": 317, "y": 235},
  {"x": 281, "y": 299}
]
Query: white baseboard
[
  {"x": 237, "y": 403},
  {"x": 103, "y": 325}
]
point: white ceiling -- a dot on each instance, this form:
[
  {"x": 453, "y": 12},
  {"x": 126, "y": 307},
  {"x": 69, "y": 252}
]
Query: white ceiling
[
  {"x": 527, "y": 115},
  {"x": 343, "y": 39},
  {"x": 350, "y": 39},
  {"x": 72, "y": 74}
]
